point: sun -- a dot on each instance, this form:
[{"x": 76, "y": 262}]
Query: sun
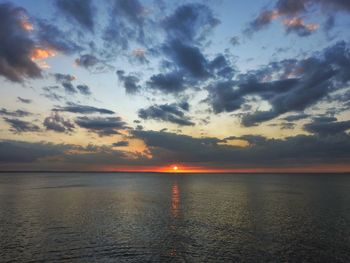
[{"x": 175, "y": 168}]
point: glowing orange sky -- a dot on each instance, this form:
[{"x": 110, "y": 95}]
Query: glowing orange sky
[{"x": 202, "y": 169}]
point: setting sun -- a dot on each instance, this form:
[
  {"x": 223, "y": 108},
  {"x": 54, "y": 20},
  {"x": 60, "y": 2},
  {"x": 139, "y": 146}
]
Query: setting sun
[{"x": 175, "y": 168}]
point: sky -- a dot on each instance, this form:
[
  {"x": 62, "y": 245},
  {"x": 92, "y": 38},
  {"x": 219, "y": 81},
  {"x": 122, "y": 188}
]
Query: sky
[{"x": 147, "y": 85}]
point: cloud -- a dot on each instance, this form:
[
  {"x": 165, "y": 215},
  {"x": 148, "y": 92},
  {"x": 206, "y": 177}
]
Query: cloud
[
  {"x": 309, "y": 81},
  {"x": 127, "y": 20},
  {"x": 83, "y": 109},
  {"x": 102, "y": 126},
  {"x": 28, "y": 152},
  {"x": 16, "y": 45},
  {"x": 16, "y": 113},
  {"x": 297, "y": 25},
  {"x": 80, "y": 11},
  {"x": 172, "y": 82},
  {"x": 130, "y": 82},
  {"x": 120, "y": 144},
  {"x": 287, "y": 125},
  {"x": 296, "y": 117},
  {"x": 49, "y": 92},
  {"x": 66, "y": 82},
  {"x": 185, "y": 29},
  {"x": 167, "y": 112},
  {"x": 19, "y": 126},
  {"x": 25, "y": 101},
  {"x": 191, "y": 69},
  {"x": 69, "y": 88},
  {"x": 62, "y": 78},
  {"x": 84, "y": 89},
  {"x": 221, "y": 67},
  {"x": 262, "y": 20},
  {"x": 87, "y": 61},
  {"x": 294, "y": 151},
  {"x": 189, "y": 59},
  {"x": 49, "y": 35},
  {"x": 93, "y": 63},
  {"x": 291, "y": 10},
  {"x": 39, "y": 156},
  {"x": 234, "y": 41},
  {"x": 190, "y": 23},
  {"x": 57, "y": 123},
  {"x": 132, "y": 10},
  {"x": 328, "y": 126},
  {"x": 164, "y": 147}
]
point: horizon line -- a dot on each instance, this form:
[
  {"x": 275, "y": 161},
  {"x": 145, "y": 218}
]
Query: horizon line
[{"x": 182, "y": 172}]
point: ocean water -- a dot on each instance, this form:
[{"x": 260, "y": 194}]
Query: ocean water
[{"x": 136, "y": 217}]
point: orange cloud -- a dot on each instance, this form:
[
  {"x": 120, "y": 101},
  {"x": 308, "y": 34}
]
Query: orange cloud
[
  {"x": 26, "y": 25},
  {"x": 41, "y": 53},
  {"x": 299, "y": 22}
]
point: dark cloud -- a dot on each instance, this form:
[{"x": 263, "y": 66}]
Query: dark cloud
[
  {"x": 81, "y": 11},
  {"x": 127, "y": 20},
  {"x": 132, "y": 10},
  {"x": 130, "y": 82},
  {"x": 309, "y": 82},
  {"x": 120, "y": 144},
  {"x": 221, "y": 67},
  {"x": 102, "y": 126},
  {"x": 84, "y": 89},
  {"x": 262, "y": 21},
  {"x": 190, "y": 23},
  {"x": 172, "y": 82},
  {"x": 23, "y": 100},
  {"x": 192, "y": 68},
  {"x": 186, "y": 29},
  {"x": 173, "y": 113},
  {"x": 16, "y": 46},
  {"x": 66, "y": 81},
  {"x": 19, "y": 126},
  {"x": 93, "y": 63},
  {"x": 44, "y": 156},
  {"x": 69, "y": 88},
  {"x": 296, "y": 117},
  {"x": 62, "y": 78},
  {"x": 291, "y": 7},
  {"x": 327, "y": 126},
  {"x": 87, "y": 61},
  {"x": 189, "y": 59},
  {"x": 27, "y": 152},
  {"x": 287, "y": 125},
  {"x": 57, "y": 123},
  {"x": 49, "y": 92},
  {"x": 222, "y": 97},
  {"x": 49, "y": 35},
  {"x": 16, "y": 113},
  {"x": 84, "y": 109},
  {"x": 184, "y": 105},
  {"x": 262, "y": 152}
]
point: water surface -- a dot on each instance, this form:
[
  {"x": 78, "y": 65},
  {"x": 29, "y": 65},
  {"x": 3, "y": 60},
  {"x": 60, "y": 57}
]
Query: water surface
[{"x": 125, "y": 217}]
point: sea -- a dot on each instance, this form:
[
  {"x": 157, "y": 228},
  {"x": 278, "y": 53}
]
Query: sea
[{"x": 155, "y": 217}]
